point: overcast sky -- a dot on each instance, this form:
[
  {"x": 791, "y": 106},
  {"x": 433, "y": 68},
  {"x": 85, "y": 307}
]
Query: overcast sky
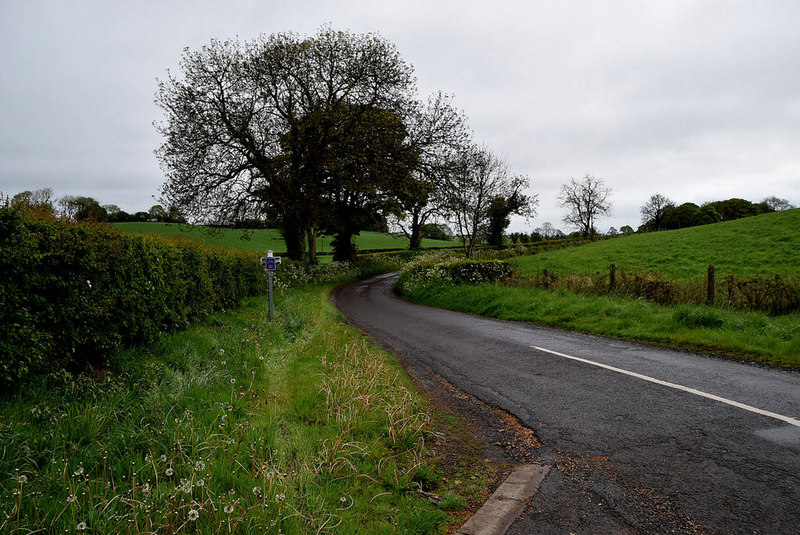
[{"x": 697, "y": 100}]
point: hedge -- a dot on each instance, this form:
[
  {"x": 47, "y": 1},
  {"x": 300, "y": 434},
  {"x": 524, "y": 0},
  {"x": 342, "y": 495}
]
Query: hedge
[
  {"x": 460, "y": 272},
  {"x": 71, "y": 293}
]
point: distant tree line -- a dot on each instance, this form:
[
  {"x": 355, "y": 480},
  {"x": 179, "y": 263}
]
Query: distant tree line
[
  {"x": 661, "y": 213},
  {"x": 81, "y": 208}
]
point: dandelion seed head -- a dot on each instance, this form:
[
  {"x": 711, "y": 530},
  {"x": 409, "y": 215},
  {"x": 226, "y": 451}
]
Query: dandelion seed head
[
  {"x": 72, "y": 498},
  {"x": 22, "y": 479},
  {"x": 233, "y": 380},
  {"x": 169, "y": 472},
  {"x": 199, "y": 466},
  {"x": 193, "y": 515},
  {"x": 228, "y": 508},
  {"x": 81, "y": 526}
]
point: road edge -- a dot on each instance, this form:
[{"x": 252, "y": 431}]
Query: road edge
[{"x": 501, "y": 509}]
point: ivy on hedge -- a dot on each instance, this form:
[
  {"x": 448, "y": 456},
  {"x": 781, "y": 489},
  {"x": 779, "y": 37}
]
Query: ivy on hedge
[{"x": 71, "y": 293}]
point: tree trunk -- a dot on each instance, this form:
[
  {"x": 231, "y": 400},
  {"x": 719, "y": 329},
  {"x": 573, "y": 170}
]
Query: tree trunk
[
  {"x": 295, "y": 241},
  {"x": 415, "y": 240},
  {"x": 311, "y": 235},
  {"x": 344, "y": 250}
]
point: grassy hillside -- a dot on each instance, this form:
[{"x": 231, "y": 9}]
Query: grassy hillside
[
  {"x": 760, "y": 245},
  {"x": 261, "y": 240}
]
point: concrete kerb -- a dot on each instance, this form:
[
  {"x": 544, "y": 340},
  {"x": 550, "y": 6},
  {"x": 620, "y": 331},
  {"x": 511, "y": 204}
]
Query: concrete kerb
[{"x": 498, "y": 513}]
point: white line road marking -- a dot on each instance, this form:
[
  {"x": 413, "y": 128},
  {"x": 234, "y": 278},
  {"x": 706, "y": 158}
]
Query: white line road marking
[{"x": 787, "y": 419}]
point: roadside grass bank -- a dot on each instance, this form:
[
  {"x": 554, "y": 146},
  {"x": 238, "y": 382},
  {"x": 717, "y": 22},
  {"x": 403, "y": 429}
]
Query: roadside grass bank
[
  {"x": 747, "y": 335},
  {"x": 239, "y": 425}
]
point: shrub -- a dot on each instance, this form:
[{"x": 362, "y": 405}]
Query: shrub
[
  {"x": 457, "y": 272},
  {"x": 70, "y": 293}
]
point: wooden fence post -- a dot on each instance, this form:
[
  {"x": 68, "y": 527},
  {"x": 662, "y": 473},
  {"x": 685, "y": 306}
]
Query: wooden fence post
[
  {"x": 731, "y": 288},
  {"x": 710, "y": 286},
  {"x": 612, "y": 278}
]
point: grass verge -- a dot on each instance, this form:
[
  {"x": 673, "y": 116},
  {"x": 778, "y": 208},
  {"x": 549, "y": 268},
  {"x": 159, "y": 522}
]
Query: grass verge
[
  {"x": 241, "y": 425},
  {"x": 748, "y": 335}
]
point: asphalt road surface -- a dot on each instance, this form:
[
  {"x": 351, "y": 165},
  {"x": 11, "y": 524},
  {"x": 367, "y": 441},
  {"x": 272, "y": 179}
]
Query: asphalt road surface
[{"x": 642, "y": 439}]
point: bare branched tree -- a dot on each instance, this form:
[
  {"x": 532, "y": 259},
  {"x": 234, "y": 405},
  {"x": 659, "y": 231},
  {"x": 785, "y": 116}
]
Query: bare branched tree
[
  {"x": 585, "y": 200},
  {"x": 475, "y": 179},
  {"x": 437, "y": 132},
  {"x": 778, "y": 204},
  {"x": 654, "y": 211}
]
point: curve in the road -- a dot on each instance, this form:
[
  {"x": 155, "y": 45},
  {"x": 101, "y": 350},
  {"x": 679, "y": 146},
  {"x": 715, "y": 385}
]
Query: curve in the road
[{"x": 727, "y": 469}]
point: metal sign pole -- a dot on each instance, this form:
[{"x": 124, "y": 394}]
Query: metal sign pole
[
  {"x": 270, "y": 263},
  {"x": 269, "y": 274}
]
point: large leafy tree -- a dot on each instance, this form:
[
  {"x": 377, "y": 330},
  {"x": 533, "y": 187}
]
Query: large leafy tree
[
  {"x": 250, "y": 127},
  {"x": 366, "y": 170},
  {"x": 499, "y": 215},
  {"x": 735, "y": 208}
]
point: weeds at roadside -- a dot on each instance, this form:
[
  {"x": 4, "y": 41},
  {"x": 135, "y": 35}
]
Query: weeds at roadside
[{"x": 290, "y": 426}]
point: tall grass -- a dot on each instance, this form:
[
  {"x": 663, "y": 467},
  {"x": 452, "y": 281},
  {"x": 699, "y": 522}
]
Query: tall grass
[{"x": 243, "y": 425}]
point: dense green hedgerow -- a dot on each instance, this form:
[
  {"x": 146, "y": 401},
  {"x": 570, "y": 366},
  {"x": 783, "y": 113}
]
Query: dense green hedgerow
[
  {"x": 70, "y": 293},
  {"x": 457, "y": 272}
]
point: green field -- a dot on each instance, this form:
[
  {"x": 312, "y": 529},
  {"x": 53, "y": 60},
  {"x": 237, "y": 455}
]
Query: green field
[
  {"x": 760, "y": 245},
  {"x": 262, "y": 240}
]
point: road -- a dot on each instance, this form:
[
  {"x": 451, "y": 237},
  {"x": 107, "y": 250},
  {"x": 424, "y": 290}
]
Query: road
[{"x": 643, "y": 439}]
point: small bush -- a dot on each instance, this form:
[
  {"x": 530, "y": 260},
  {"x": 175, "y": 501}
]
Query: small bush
[{"x": 694, "y": 317}]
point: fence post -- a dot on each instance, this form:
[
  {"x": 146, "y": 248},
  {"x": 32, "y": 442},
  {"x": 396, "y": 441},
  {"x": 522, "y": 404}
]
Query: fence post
[
  {"x": 710, "y": 286},
  {"x": 545, "y": 279},
  {"x": 612, "y": 278},
  {"x": 731, "y": 288}
]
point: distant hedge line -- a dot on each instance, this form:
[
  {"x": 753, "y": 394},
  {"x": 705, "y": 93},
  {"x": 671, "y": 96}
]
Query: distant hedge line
[{"x": 71, "y": 293}]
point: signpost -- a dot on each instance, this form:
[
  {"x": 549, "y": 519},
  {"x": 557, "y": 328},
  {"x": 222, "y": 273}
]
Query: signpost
[{"x": 270, "y": 263}]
